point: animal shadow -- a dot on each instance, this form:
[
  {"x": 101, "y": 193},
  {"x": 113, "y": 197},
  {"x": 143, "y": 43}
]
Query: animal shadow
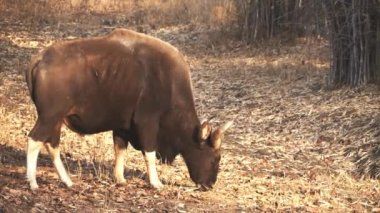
[{"x": 13, "y": 167}]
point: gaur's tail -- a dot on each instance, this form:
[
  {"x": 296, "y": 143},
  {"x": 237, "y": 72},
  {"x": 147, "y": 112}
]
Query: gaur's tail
[{"x": 30, "y": 74}]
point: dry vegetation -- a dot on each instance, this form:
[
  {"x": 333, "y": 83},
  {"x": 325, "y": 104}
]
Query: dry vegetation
[
  {"x": 291, "y": 149},
  {"x": 153, "y": 13}
]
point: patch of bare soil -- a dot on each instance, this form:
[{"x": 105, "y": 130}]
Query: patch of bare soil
[{"x": 287, "y": 150}]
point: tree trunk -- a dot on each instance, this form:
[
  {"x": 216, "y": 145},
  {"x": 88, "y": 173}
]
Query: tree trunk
[
  {"x": 376, "y": 65},
  {"x": 352, "y": 38},
  {"x": 265, "y": 19}
]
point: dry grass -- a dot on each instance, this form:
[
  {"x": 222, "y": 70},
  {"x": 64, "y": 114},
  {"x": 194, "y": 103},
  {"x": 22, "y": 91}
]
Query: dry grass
[
  {"x": 286, "y": 151},
  {"x": 155, "y": 13}
]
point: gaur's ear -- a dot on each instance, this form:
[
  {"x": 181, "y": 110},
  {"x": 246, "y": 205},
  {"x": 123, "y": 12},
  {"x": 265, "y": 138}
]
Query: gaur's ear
[
  {"x": 204, "y": 131},
  {"x": 217, "y": 135}
]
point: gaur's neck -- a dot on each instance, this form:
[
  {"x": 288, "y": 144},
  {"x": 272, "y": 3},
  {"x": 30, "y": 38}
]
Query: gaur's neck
[
  {"x": 189, "y": 125},
  {"x": 178, "y": 135}
]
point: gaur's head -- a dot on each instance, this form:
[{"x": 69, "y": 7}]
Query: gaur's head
[{"x": 203, "y": 161}]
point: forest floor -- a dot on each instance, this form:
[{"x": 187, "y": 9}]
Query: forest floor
[{"x": 291, "y": 147}]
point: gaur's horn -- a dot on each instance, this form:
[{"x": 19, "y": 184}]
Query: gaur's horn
[
  {"x": 217, "y": 135},
  {"x": 208, "y": 120},
  {"x": 226, "y": 126}
]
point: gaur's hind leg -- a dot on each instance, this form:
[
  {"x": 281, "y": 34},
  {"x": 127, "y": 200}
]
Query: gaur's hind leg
[
  {"x": 56, "y": 158},
  {"x": 46, "y": 132},
  {"x": 33, "y": 148},
  {"x": 120, "y": 139},
  {"x": 53, "y": 101}
]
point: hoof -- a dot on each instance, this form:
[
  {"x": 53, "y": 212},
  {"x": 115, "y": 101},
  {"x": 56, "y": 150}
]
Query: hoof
[
  {"x": 157, "y": 185},
  {"x": 33, "y": 186},
  {"x": 121, "y": 181},
  {"x": 69, "y": 184}
]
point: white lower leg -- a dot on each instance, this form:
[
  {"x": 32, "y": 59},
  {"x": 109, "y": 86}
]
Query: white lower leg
[
  {"x": 150, "y": 160},
  {"x": 33, "y": 148},
  {"x": 119, "y": 164},
  {"x": 56, "y": 158}
]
